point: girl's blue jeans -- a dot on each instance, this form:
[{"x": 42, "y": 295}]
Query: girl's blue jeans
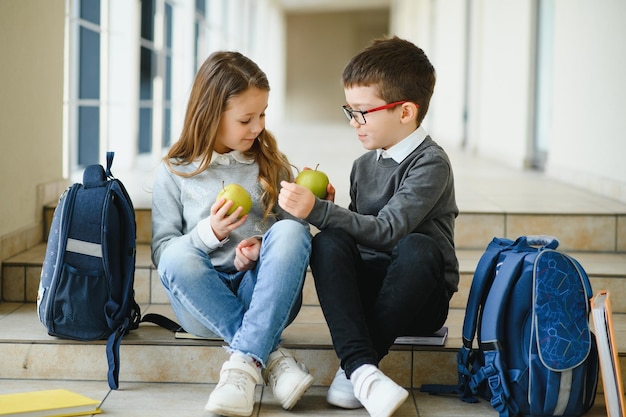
[{"x": 248, "y": 309}]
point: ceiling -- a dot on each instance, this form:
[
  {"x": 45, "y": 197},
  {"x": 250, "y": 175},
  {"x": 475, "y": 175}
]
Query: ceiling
[{"x": 308, "y": 6}]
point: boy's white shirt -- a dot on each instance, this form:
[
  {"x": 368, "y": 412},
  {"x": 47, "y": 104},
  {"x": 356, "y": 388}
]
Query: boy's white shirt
[{"x": 402, "y": 149}]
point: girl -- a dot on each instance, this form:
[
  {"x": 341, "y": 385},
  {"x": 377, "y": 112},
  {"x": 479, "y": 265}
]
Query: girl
[{"x": 236, "y": 275}]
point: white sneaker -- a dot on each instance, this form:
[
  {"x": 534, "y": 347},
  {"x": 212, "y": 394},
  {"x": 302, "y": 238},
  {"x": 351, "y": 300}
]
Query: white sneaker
[
  {"x": 341, "y": 392},
  {"x": 380, "y": 396},
  {"x": 234, "y": 394},
  {"x": 289, "y": 379}
]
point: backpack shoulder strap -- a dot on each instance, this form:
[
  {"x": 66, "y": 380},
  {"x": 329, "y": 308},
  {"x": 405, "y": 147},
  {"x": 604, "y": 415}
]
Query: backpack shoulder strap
[
  {"x": 489, "y": 339},
  {"x": 122, "y": 315},
  {"x": 485, "y": 274},
  {"x": 162, "y": 321},
  {"x": 483, "y": 277},
  {"x": 125, "y": 314},
  {"x": 468, "y": 362},
  {"x": 522, "y": 254},
  {"x": 481, "y": 282}
]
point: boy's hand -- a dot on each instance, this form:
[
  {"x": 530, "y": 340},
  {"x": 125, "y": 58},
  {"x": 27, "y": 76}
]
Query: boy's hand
[
  {"x": 296, "y": 199},
  {"x": 223, "y": 223},
  {"x": 247, "y": 253},
  {"x": 330, "y": 190},
  {"x": 330, "y": 193}
]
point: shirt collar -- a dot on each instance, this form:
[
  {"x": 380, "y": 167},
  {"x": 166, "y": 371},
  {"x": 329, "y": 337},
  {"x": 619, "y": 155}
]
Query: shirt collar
[
  {"x": 230, "y": 157},
  {"x": 402, "y": 149}
]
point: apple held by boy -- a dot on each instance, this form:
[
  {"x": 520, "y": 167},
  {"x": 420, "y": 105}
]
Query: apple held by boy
[
  {"x": 238, "y": 195},
  {"x": 314, "y": 180}
]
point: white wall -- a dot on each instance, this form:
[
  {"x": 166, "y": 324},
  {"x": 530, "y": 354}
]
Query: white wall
[
  {"x": 588, "y": 87},
  {"x": 439, "y": 28},
  {"x": 269, "y": 52},
  {"x": 500, "y": 83},
  {"x": 314, "y": 91},
  {"x": 31, "y": 114},
  {"x": 447, "y": 52},
  {"x": 498, "y": 72},
  {"x": 121, "y": 84},
  {"x": 588, "y": 146}
]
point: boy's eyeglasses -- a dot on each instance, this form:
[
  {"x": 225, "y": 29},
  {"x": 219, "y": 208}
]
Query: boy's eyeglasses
[{"x": 359, "y": 115}]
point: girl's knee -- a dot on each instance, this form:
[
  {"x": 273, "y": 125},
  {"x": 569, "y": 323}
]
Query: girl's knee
[
  {"x": 288, "y": 226},
  {"x": 179, "y": 259},
  {"x": 169, "y": 257},
  {"x": 290, "y": 231}
]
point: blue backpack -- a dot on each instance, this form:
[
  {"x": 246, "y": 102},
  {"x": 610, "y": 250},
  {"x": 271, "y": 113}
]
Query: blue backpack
[
  {"x": 86, "y": 288},
  {"x": 529, "y": 308}
]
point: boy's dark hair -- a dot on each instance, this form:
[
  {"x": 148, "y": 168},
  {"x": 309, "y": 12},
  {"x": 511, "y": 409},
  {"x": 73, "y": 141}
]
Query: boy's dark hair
[{"x": 398, "y": 68}]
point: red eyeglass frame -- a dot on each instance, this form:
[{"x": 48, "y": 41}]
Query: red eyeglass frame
[{"x": 350, "y": 111}]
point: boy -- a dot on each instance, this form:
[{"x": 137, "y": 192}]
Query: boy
[{"x": 385, "y": 267}]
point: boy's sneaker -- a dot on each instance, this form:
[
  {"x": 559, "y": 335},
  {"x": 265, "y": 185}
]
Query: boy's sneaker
[
  {"x": 234, "y": 394},
  {"x": 380, "y": 396},
  {"x": 341, "y": 392},
  {"x": 289, "y": 379}
]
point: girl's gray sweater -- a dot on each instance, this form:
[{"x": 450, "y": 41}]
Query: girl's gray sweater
[{"x": 179, "y": 204}]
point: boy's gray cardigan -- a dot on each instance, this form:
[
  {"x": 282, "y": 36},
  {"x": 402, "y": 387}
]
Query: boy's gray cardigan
[{"x": 390, "y": 200}]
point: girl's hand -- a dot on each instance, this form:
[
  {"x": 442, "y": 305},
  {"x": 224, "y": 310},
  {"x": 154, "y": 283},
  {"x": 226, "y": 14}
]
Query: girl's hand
[
  {"x": 247, "y": 253},
  {"x": 222, "y": 223},
  {"x": 296, "y": 199}
]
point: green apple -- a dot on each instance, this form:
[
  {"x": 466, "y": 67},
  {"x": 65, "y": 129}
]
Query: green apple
[
  {"x": 238, "y": 195},
  {"x": 314, "y": 180}
]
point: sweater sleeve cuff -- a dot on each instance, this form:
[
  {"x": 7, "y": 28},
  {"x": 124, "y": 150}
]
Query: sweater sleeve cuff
[
  {"x": 205, "y": 231},
  {"x": 318, "y": 214}
]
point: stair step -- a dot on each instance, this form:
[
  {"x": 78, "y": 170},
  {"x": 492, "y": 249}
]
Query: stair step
[
  {"x": 21, "y": 273},
  {"x": 153, "y": 354},
  {"x": 597, "y": 231}
]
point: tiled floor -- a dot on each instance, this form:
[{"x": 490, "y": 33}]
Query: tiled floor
[{"x": 188, "y": 400}]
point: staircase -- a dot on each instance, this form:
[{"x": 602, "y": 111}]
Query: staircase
[{"x": 494, "y": 201}]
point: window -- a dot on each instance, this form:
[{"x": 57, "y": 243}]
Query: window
[
  {"x": 128, "y": 71},
  {"x": 200, "y": 27},
  {"x": 87, "y": 117},
  {"x": 155, "y": 85}
]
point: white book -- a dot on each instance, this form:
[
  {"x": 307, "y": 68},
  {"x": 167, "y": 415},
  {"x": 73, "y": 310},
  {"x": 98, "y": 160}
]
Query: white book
[
  {"x": 608, "y": 355},
  {"x": 436, "y": 339},
  {"x": 184, "y": 335}
]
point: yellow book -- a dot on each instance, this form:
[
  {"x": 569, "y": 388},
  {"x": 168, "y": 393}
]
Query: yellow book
[
  {"x": 49, "y": 403},
  {"x": 607, "y": 352}
]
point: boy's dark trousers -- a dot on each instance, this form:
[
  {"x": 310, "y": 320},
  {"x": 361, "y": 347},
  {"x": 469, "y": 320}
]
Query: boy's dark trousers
[{"x": 367, "y": 303}]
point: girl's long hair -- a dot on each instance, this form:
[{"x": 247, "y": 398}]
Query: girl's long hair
[{"x": 223, "y": 76}]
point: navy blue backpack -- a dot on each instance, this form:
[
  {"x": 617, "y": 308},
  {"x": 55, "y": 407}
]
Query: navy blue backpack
[
  {"x": 86, "y": 289},
  {"x": 529, "y": 309}
]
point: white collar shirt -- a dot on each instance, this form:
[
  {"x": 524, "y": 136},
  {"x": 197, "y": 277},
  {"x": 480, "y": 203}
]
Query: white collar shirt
[{"x": 402, "y": 149}]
